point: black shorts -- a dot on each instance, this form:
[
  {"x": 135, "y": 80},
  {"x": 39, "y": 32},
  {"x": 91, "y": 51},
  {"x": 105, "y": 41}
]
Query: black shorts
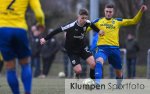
[{"x": 75, "y": 57}]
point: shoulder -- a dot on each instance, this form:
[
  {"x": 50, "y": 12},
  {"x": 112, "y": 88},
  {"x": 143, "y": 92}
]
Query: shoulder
[
  {"x": 96, "y": 20},
  {"x": 67, "y": 26}
]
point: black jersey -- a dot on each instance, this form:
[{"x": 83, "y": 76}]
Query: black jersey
[{"x": 75, "y": 36}]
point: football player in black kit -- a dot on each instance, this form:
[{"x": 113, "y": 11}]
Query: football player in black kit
[{"x": 75, "y": 44}]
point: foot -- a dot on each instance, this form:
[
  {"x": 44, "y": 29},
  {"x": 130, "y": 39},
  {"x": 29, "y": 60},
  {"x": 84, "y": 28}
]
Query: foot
[{"x": 42, "y": 76}]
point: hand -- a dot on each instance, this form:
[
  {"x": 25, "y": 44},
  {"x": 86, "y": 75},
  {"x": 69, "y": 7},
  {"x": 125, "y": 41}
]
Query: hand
[
  {"x": 40, "y": 28},
  {"x": 143, "y": 8},
  {"x": 101, "y": 33},
  {"x": 42, "y": 41}
]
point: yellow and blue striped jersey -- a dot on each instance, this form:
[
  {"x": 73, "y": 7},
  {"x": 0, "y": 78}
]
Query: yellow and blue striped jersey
[
  {"x": 12, "y": 13},
  {"x": 111, "y": 28}
]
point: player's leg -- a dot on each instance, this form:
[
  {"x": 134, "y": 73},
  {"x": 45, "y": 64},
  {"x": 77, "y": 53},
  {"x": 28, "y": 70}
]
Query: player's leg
[
  {"x": 86, "y": 55},
  {"x": 99, "y": 69},
  {"x": 78, "y": 70},
  {"x": 6, "y": 48},
  {"x": 75, "y": 61},
  {"x": 119, "y": 74},
  {"x": 91, "y": 61},
  {"x": 100, "y": 57},
  {"x": 26, "y": 74},
  {"x": 12, "y": 76},
  {"x": 116, "y": 63},
  {"x": 23, "y": 54},
  {"x": 115, "y": 60},
  {"x": 1, "y": 65}
]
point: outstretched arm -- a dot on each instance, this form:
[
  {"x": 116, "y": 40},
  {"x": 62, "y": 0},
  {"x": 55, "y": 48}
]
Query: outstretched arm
[
  {"x": 56, "y": 31},
  {"x": 49, "y": 36},
  {"x": 136, "y": 19}
]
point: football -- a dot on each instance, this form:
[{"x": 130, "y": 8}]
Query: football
[
  {"x": 61, "y": 74},
  {"x": 88, "y": 81}
]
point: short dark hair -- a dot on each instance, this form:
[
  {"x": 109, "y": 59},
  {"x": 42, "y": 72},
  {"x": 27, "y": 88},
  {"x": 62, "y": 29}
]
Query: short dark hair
[
  {"x": 109, "y": 6},
  {"x": 83, "y": 11}
]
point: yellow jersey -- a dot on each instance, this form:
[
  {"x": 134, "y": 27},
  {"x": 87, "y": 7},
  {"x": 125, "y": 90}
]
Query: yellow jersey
[
  {"x": 1, "y": 58},
  {"x": 12, "y": 13},
  {"x": 111, "y": 28}
]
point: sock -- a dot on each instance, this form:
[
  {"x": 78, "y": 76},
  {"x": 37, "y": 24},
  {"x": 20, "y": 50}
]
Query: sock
[
  {"x": 92, "y": 73},
  {"x": 98, "y": 72},
  {"x": 13, "y": 81},
  {"x": 77, "y": 76},
  {"x": 1, "y": 65},
  {"x": 119, "y": 77},
  {"x": 119, "y": 81},
  {"x": 26, "y": 77}
]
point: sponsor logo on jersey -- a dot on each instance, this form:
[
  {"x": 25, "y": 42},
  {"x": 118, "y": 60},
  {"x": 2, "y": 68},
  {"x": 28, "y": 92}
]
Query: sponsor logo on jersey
[
  {"x": 73, "y": 62},
  {"x": 79, "y": 37}
]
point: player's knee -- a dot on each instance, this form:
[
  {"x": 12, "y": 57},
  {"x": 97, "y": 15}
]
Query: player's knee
[
  {"x": 92, "y": 65},
  {"x": 24, "y": 60},
  {"x": 100, "y": 60},
  {"x": 10, "y": 65}
]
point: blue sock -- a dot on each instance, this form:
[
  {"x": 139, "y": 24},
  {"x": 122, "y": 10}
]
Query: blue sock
[
  {"x": 26, "y": 77},
  {"x": 98, "y": 72},
  {"x": 13, "y": 81}
]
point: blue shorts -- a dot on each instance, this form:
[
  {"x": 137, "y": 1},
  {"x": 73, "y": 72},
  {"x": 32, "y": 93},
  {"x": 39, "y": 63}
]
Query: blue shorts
[
  {"x": 14, "y": 43},
  {"x": 112, "y": 53}
]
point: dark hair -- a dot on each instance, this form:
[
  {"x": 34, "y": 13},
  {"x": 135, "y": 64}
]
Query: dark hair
[
  {"x": 83, "y": 11},
  {"x": 109, "y": 6}
]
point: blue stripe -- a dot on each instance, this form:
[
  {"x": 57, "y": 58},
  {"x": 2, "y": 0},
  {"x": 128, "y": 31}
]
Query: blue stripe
[
  {"x": 119, "y": 19},
  {"x": 96, "y": 20},
  {"x": 108, "y": 46}
]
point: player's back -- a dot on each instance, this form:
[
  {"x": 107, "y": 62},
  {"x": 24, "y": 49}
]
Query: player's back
[{"x": 12, "y": 13}]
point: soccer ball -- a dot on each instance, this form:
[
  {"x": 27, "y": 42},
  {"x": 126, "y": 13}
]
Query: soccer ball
[
  {"x": 88, "y": 81},
  {"x": 61, "y": 74}
]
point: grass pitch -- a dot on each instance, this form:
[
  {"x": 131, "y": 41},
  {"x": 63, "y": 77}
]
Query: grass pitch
[{"x": 39, "y": 86}]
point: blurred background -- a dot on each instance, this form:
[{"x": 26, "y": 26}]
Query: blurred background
[{"x": 51, "y": 60}]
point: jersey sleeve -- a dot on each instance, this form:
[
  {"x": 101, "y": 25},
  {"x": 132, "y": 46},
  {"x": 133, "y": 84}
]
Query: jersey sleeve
[
  {"x": 135, "y": 20},
  {"x": 64, "y": 28},
  {"x": 67, "y": 27},
  {"x": 36, "y": 7},
  {"x": 56, "y": 31}
]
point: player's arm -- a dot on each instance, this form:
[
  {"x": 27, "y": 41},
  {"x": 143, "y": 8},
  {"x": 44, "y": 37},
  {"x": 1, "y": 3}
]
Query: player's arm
[
  {"x": 36, "y": 7},
  {"x": 136, "y": 19},
  {"x": 56, "y": 31},
  {"x": 49, "y": 36},
  {"x": 93, "y": 26}
]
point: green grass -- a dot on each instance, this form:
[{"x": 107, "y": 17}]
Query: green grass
[
  {"x": 54, "y": 85},
  {"x": 40, "y": 86}
]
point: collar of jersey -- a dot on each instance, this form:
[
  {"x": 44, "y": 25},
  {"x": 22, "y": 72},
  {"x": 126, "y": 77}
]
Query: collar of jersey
[{"x": 78, "y": 24}]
